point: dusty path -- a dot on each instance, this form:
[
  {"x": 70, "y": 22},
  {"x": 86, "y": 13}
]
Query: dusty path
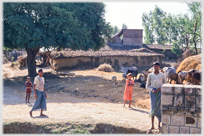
[
  {"x": 78, "y": 107},
  {"x": 73, "y": 110}
]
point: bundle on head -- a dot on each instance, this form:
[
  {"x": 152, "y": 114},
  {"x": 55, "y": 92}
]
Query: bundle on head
[{"x": 105, "y": 67}]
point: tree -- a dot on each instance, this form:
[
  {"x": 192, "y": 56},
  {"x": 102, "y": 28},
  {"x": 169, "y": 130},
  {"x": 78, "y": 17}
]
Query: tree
[
  {"x": 176, "y": 48},
  {"x": 147, "y": 22},
  {"x": 163, "y": 28},
  {"x": 124, "y": 26},
  {"x": 115, "y": 30},
  {"x": 195, "y": 30},
  {"x": 65, "y": 25},
  {"x": 154, "y": 26}
]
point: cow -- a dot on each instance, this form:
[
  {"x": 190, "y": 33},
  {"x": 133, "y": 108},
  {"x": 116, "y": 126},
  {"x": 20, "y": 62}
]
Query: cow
[
  {"x": 171, "y": 74},
  {"x": 127, "y": 70},
  {"x": 194, "y": 76},
  {"x": 182, "y": 75},
  {"x": 140, "y": 79}
]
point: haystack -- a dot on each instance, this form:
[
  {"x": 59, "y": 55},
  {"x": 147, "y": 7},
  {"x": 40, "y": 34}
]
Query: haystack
[
  {"x": 105, "y": 67},
  {"x": 192, "y": 62},
  {"x": 23, "y": 60}
]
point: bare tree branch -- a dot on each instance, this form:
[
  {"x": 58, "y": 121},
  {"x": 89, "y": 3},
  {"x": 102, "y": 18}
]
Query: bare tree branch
[{"x": 190, "y": 33}]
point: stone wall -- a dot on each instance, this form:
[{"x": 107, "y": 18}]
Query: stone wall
[{"x": 181, "y": 109}]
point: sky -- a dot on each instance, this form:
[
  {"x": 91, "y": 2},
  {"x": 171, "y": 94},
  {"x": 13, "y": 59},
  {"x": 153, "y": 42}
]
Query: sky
[{"x": 131, "y": 13}]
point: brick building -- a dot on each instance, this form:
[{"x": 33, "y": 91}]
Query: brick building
[{"x": 132, "y": 37}]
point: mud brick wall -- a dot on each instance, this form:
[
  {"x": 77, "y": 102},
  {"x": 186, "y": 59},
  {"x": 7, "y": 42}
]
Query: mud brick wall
[
  {"x": 181, "y": 109},
  {"x": 132, "y": 37}
]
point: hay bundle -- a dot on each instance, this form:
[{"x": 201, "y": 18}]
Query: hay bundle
[
  {"x": 191, "y": 62},
  {"x": 23, "y": 60},
  {"x": 198, "y": 66},
  {"x": 105, "y": 67}
]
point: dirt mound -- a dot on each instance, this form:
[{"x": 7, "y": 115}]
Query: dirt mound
[
  {"x": 67, "y": 128},
  {"x": 192, "y": 62},
  {"x": 105, "y": 67},
  {"x": 111, "y": 129}
]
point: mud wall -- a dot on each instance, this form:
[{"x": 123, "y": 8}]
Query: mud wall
[
  {"x": 181, "y": 109},
  {"x": 132, "y": 37},
  {"x": 116, "y": 62}
]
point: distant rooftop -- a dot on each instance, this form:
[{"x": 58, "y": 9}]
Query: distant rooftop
[{"x": 159, "y": 46}]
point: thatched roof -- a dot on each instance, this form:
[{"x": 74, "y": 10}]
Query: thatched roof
[
  {"x": 159, "y": 46},
  {"x": 68, "y": 53}
]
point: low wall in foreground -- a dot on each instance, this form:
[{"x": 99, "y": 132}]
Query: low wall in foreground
[{"x": 181, "y": 109}]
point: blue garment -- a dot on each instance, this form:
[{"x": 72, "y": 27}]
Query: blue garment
[
  {"x": 156, "y": 106},
  {"x": 40, "y": 102}
]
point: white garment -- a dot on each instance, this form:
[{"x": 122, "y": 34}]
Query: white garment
[
  {"x": 155, "y": 81},
  {"x": 39, "y": 81}
]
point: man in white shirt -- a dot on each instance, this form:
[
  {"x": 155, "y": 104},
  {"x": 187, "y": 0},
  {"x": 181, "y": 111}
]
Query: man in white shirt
[
  {"x": 154, "y": 82},
  {"x": 40, "y": 93}
]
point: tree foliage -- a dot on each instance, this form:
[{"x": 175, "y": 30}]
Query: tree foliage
[
  {"x": 163, "y": 28},
  {"x": 115, "y": 30},
  {"x": 176, "y": 48},
  {"x": 64, "y": 25},
  {"x": 73, "y": 25},
  {"x": 124, "y": 26}
]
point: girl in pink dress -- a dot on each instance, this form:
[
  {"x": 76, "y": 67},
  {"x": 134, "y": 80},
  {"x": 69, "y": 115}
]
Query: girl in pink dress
[{"x": 128, "y": 89}]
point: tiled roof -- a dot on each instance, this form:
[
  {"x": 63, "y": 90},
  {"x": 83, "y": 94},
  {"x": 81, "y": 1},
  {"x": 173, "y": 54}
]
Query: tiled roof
[{"x": 159, "y": 46}]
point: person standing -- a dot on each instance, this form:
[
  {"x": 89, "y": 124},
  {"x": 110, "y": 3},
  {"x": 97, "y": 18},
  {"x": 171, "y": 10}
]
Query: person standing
[
  {"x": 128, "y": 90},
  {"x": 40, "y": 94},
  {"x": 154, "y": 82},
  {"x": 28, "y": 85}
]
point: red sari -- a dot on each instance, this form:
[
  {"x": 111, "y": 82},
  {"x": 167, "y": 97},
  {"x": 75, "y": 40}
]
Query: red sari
[{"x": 128, "y": 90}]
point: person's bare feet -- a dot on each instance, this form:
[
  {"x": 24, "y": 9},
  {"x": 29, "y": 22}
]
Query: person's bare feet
[
  {"x": 43, "y": 115},
  {"x": 31, "y": 114},
  {"x": 151, "y": 128},
  {"x": 130, "y": 107}
]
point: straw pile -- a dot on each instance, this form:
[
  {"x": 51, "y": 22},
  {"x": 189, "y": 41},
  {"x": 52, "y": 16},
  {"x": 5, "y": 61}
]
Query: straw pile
[
  {"x": 105, "y": 67},
  {"x": 192, "y": 62},
  {"x": 23, "y": 60}
]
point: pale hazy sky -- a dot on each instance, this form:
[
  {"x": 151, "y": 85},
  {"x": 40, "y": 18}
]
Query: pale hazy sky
[{"x": 130, "y": 13}]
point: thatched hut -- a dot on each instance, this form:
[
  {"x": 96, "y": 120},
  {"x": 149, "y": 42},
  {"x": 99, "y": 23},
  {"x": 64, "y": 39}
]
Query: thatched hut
[{"x": 116, "y": 58}]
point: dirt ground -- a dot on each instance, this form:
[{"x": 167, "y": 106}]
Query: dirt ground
[{"x": 81, "y": 96}]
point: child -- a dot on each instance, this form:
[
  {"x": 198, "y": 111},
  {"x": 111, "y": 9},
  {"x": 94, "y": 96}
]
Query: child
[
  {"x": 28, "y": 85},
  {"x": 128, "y": 89}
]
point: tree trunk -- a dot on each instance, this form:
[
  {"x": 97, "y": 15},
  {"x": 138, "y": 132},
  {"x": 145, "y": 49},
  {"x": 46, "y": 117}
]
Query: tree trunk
[
  {"x": 31, "y": 54},
  {"x": 195, "y": 47}
]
